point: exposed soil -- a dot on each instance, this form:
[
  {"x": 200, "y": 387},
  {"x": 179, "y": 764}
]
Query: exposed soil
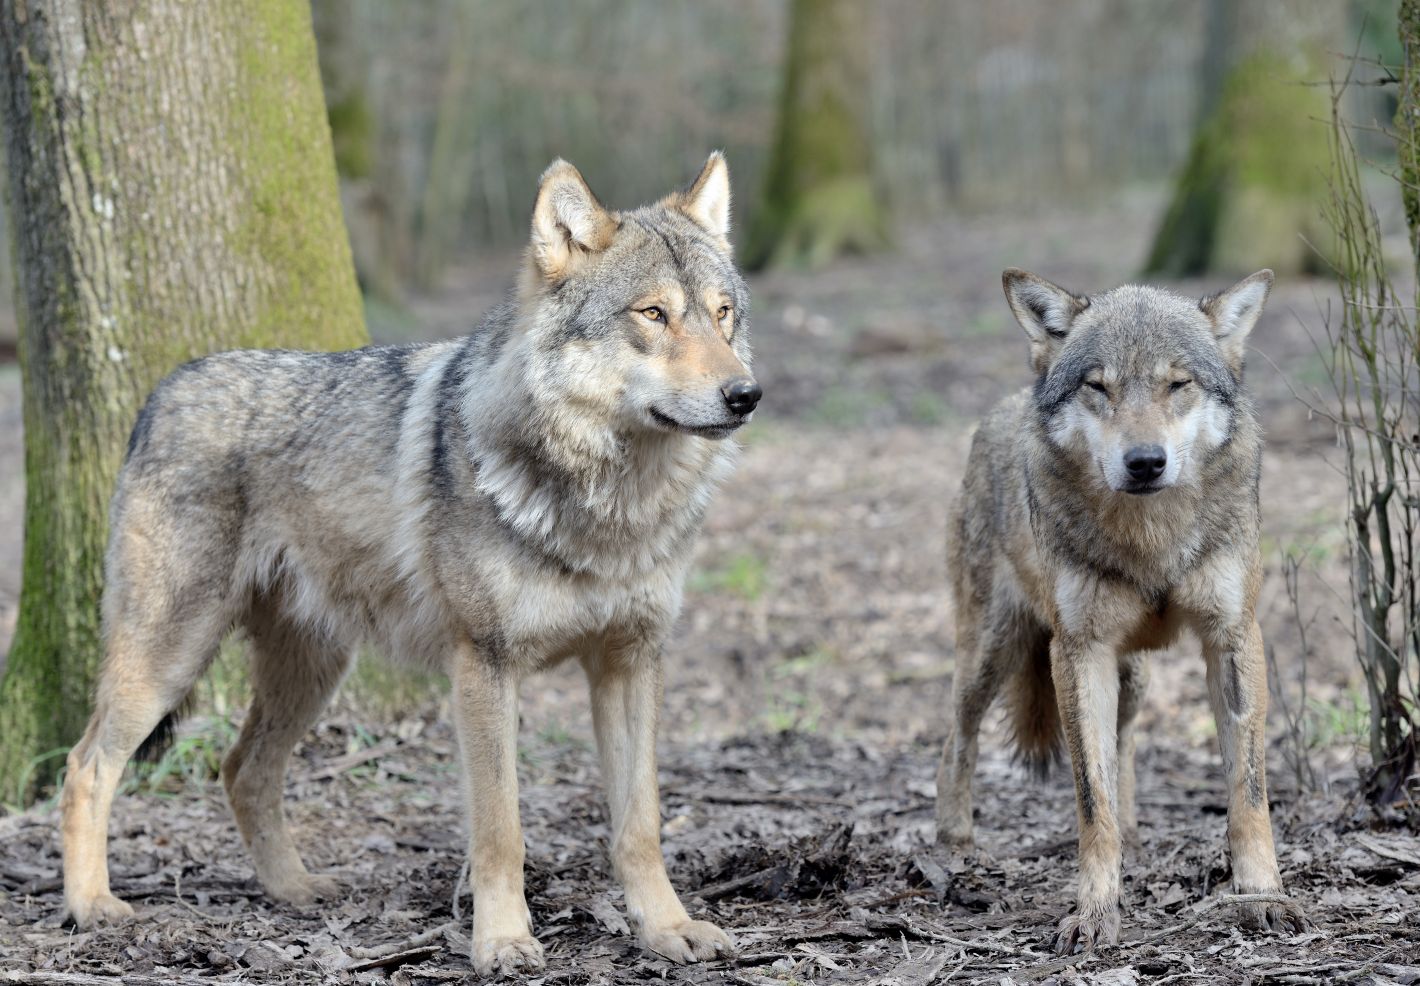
[{"x": 806, "y": 699}]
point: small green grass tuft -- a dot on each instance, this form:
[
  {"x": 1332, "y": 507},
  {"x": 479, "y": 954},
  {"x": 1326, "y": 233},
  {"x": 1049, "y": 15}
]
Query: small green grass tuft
[
  {"x": 793, "y": 712},
  {"x": 193, "y": 761},
  {"x": 745, "y": 575},
  {"x": 383, "y": 691}
]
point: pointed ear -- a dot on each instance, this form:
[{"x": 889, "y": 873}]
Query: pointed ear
[
  {"x": 1045, "y": 310},
  {"x": 568, "y": 222},
  {"x": 707, "y": 200},
  {"x": 1235, "y": 311}
]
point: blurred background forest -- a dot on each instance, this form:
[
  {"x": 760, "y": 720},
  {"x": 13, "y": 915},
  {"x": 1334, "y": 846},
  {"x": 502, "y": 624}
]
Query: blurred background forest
[{"x": 445, "y": 112}]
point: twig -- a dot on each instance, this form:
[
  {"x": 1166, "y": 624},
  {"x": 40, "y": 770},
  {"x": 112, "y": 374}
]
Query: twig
[
  {"x": 340, "y": 765},
  {"x": 1207, "y": 907},
  {"x": 724, "y": 797},
  {"x": 1381, "y": 849},
  {"x": 458, "y": 892},
  {"x": 394, "y": 948},
  {"x": 398, "y": 958}
]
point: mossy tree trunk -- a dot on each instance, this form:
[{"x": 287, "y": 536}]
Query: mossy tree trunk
[
  {"x": 173, "y": 193},
  {"x": 1407, "y": 122},
  {"x": 1250, "y": 192},
  {"x": 820, "y": 200}
]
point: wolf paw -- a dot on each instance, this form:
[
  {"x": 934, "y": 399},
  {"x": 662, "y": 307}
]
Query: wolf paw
[
  {"x": 303, "y": 889},
  {"x": 1084, "y": 931},
  {"x": 689, "y": 941},
  {"x": 504, "y": 956},
  {"x": 1282, "y": 918},
  {"x": 101, "y": 909}
]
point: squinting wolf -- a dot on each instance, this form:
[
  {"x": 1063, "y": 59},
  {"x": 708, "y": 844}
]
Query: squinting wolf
[
  {"x": 1102, "y": 512},
  {"x": 492, "y": 505}
]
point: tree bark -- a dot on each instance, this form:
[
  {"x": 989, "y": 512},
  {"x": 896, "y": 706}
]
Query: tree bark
[
  {"x": 820, "y": 200},
  {"x": 173, "y": 193},
  {"x": 1407, "y": 121},
  {"x": 1249, "y": 194}
]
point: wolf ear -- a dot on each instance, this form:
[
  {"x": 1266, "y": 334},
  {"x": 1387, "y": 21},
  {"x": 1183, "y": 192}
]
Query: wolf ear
[
  {"x": 1045, "y": 310},
  {"x": 707, "y": 200},
  {"x": 568, "y": 222},
  {"x": 1235, "y": 311}
]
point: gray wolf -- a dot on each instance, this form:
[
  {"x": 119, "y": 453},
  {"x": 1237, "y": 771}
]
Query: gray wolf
[
  {"x": 1102, "y": 512},
  {"x": 491, "y": 505}
]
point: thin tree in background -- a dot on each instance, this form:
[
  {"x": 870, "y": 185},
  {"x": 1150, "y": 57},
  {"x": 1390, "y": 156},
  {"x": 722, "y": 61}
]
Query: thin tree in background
[
  {"x": 820, "y": 200},
  {"x": 1248, "y": 193},
  {"x": 173, "y": 193},
  {"x": 1374, "y": 366}
]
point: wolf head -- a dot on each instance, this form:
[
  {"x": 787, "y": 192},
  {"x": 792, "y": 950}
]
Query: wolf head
[
  {"x": 640, "y": 317},
  {"x": 1144, "y": 382}
]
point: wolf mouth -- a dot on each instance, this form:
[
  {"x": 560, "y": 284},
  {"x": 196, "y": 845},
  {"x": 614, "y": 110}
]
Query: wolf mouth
[
  {"x": 704, "y": 431},
  {"x": 1143, "y": 489}
]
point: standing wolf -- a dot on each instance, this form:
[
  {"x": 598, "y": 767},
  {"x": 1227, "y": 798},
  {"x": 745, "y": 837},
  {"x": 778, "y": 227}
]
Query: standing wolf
[
  {"x": 491, "y": 505},
  {"x": 1102, "y": 512}
]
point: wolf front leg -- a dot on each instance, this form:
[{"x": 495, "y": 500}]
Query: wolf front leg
[
  {"x": 486, "y": 713},
  {"x": 626, "y": 687},
  {"x": 1237, "y": 690},
  {"x": 1086, "y": 674}
]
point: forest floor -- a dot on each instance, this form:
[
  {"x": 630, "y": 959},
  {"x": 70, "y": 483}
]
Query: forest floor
[{"x": 807, "y": 697}]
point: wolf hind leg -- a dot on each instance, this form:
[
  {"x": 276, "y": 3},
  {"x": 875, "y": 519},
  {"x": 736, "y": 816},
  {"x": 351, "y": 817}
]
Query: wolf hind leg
[
  {"x": 150, "y": 665},
  {"x": 294, "y": 671},
  {"x": 988, "y": 655}
]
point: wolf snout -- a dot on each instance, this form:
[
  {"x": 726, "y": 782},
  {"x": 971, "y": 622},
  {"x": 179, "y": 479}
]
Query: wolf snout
[
  {"x": 742, "y": 394},
  {"x": 1145, "y": 463}
]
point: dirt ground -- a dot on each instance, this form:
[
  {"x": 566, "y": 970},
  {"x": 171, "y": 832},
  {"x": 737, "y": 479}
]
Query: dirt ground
[{"x": 806, "y": 701}]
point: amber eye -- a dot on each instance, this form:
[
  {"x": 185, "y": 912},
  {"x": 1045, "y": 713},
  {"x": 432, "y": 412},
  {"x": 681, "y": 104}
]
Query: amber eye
[
  {"x": 1178, "y": 385},
  {"x": 654, "y": 313},
  {"x": 724, "y": 312}
]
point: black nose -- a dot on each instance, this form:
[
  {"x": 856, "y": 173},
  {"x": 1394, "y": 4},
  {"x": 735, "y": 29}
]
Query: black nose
[
  {"x": 1145, "y": 462},
  {"x": 741, "y": 394}
]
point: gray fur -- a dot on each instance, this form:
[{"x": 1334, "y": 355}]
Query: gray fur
[
  {"x": 1067, "y": 568},
  {"x": 490, "y": 505}
]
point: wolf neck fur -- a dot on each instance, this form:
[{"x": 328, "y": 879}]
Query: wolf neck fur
[{"x": 602, "y": 499}]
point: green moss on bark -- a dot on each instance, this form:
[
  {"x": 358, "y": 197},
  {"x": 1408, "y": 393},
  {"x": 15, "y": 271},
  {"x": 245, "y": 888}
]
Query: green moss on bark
[
  {"x": 145, "y": 236},
  {"x": 1251, "y": 190},
  {"x": 1407, "y": 121},
  {"x": 820, "y": 200}
]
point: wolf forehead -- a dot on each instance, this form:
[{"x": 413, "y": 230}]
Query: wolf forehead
[
  {"x": 1136, "y": 331},
  {"x": 653, "y": 249}
]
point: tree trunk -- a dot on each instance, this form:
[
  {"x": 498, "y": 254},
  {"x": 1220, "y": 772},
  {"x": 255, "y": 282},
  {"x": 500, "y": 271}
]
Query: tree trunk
[
  {"x": 1250, "y": 192},
  {"x": 448, "y": 181},
  {"x": 820, "y": 200},
  {"x": 1407, "y": 122},
  {"x": 173, "y": 193}
]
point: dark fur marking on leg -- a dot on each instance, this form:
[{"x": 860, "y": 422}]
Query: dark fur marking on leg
[
  {"x": 1255, "y": 768},
  {"x": 1084, "y": 792}
]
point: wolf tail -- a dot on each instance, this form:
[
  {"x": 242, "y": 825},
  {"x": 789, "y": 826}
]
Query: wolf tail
[
  {"x": 151, "y": 750},
  {"x": 1034, "y": 713}
]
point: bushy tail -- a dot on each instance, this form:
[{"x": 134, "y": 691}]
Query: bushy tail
[
  {"x": 151, "y": 750},
  {"x": 1034, "y": 714}
]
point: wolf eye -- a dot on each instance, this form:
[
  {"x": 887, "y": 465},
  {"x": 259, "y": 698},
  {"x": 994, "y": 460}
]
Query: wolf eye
[
  {"x": 1179, "y": 384},
  {"x": 654, "y": 313},
  {"x": 1096, "y": 385},
  {"x": 724, "y": 312}
]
